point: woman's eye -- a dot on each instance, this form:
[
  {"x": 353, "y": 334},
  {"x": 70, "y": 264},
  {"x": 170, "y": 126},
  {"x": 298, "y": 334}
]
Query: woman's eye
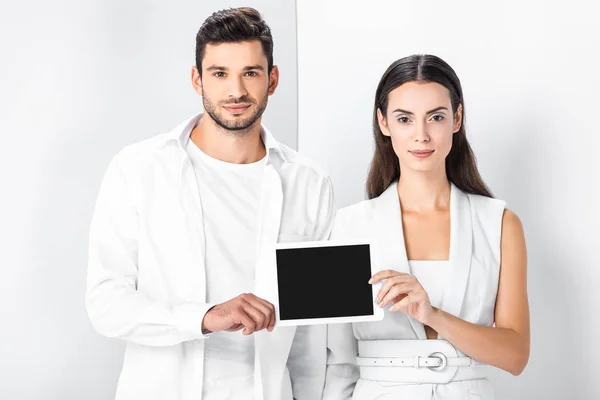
[
  {"x": 437, "y": 118},
  {"x": 403, "y": 120}
]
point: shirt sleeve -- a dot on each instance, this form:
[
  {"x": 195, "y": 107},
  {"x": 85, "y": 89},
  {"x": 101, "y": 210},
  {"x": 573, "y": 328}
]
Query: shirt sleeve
[
  {"x": 114, "y": 305},
  {"x": 326, "y": 212}
]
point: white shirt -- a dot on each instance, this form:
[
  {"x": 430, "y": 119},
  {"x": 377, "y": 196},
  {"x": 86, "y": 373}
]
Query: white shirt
[
  {"x": 231, "y": 202},
  {"x": 146, "y": 280}
]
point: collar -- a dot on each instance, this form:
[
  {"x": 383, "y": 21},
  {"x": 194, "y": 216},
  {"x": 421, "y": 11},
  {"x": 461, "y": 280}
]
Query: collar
[{"x": 181, "y": 136}]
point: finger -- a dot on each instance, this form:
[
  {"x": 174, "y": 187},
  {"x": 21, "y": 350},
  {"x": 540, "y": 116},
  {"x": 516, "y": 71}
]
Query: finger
[
  {"x": 250, "y": 307},
  {"x": 395, "y": 280},
  {"x": 243, "y": 318},
  {"x": 403, "y": 305},
  {"x": 389, "y": 283},
  {"x": 235, "y": 328},
  {"x": 410, "y": 302},
  {"x": 264, "y": 307},
  {"x": 273, "y": 318},
  {"x": 384, "y": 275},
  {"x": 401, "y": 288},
  {"x": 267, "y": 308},
  {"x": 382, "y": 293},
  {"x": 271, "y": 314}
]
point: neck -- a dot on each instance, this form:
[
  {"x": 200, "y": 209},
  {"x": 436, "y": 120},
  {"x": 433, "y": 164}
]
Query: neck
[
  {"x": 423, "y": 191},
  {"x": 238, "y": 147}
]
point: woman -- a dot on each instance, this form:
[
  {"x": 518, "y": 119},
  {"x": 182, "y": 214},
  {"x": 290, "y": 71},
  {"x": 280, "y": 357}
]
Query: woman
[{"x": 453, "y": 258}]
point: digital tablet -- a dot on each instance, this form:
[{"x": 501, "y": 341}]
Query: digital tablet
[{"x": 326, "y": 282}]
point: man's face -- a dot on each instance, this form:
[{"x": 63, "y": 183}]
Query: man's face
[{"x": 235, "y": 84}]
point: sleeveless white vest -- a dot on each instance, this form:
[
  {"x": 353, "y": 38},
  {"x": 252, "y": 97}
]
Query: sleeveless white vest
[{"x": 472, "y": 284}]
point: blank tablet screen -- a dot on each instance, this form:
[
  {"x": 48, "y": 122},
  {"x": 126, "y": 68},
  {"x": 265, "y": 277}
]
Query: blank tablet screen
[{"x": 324, "y": 282}]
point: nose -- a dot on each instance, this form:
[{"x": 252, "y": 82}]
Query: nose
[
  {"x": 237, "y": 88},
  {"x": 421, "y": 134}
]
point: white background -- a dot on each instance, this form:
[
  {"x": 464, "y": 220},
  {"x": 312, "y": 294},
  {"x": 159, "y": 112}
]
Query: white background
[
  {"x": 78, "y": 81},
  {"x": 531, "y": 82}
]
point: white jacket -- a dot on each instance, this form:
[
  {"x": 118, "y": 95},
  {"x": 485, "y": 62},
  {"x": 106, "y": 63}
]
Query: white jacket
[{"x": 146, "y": 277}]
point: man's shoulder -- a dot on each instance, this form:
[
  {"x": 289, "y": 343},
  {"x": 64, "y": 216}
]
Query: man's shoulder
[
  {"x": 141, "y": 152},
  {"x": 303, "y": 163},
  {"x": 158, "y": 145}
]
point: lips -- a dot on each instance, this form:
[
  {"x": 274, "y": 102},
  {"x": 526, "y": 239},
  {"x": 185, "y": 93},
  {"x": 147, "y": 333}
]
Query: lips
[
  {"x": 237, "y": 108},
  {"x": 421, "y": 153}
]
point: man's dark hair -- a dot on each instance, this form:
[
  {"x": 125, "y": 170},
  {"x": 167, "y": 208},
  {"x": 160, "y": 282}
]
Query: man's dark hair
[{"x": 234, "y": 25}]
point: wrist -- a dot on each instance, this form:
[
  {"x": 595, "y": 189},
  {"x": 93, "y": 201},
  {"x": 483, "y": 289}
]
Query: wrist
[
  {"x": 206, "y": 322},
  {"x": 433, "y": 317}
]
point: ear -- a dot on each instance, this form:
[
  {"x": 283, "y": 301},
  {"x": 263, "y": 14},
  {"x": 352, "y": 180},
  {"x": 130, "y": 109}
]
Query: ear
[
  {"x": 458, "y": 119},
  {"x": 273, "y": 80},
  {"x": 382, "y": 123},
  {"x": 196, "y": 80}
]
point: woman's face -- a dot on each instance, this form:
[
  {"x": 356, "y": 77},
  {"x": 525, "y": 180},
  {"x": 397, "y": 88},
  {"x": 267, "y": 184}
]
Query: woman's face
[{"x": 421, "y": 124}]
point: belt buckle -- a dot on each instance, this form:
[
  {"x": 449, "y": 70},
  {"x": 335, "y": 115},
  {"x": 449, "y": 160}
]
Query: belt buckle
[{"x": 443, "y": 361}]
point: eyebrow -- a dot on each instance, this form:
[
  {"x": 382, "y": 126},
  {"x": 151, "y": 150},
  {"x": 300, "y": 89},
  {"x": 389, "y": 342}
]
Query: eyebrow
[
  {"x": 428, "y": 112},
  {"x": 248, "y": 68},
  {"x": 253, "y": 67},
  {"x": 216, "y": 68}
]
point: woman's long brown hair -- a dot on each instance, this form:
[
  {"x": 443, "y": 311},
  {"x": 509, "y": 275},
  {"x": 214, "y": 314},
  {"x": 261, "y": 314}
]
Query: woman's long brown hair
[{"x": 461, "y": 166}]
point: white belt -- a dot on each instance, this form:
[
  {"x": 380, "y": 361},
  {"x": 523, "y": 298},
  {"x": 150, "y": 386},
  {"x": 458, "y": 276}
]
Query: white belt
[{"x": 415, "y": 361}]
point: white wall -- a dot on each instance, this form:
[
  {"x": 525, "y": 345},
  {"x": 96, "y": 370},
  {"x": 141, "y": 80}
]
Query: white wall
[
  {"x": 79, "y": 80},
  {"x": 530, "y": 76}
]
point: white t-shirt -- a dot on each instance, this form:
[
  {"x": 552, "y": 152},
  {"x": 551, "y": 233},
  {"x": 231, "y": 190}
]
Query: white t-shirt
[{"x": 230, "y": 196}]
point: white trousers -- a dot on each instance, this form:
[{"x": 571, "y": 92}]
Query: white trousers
[{"x": 480, "y": 389}]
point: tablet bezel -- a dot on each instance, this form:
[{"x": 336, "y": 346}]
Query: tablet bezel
[{"x": 377, "y": 311}]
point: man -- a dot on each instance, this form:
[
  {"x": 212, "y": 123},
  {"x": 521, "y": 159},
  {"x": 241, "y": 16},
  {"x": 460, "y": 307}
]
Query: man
[{"x": 181, "y": 262}]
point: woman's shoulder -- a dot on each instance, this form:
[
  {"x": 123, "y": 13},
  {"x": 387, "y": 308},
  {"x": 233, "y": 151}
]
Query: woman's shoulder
[
  {"x": 483, "y": 205},
  {"x": 503, "y": 228}
]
